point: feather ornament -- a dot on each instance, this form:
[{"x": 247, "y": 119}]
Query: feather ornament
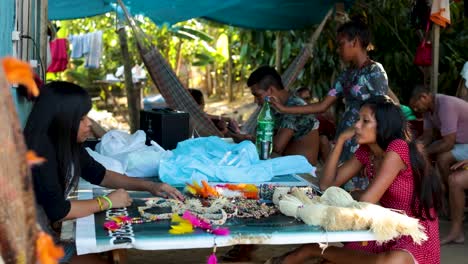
[{"x": 183, "y": 226}]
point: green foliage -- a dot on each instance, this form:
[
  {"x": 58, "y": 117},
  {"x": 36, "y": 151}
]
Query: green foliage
[
  {"x": 396, "y": 40},
  {"x": 207, "y": 45}
]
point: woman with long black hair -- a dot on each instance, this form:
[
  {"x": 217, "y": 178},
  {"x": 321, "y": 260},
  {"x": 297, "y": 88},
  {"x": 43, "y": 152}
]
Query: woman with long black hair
[
  {"x": 55, "y": 129},
  {"x": 400, "y": 178}
]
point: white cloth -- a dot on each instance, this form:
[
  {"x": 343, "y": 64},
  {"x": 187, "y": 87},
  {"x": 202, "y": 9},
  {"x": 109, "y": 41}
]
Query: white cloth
[
  {"x": 118, "y": 151},
  {"x": 440, "y": 12},
  {"x": 464, "y": 74},
  {"x": 49, "y": 53},
  {"x": 93, "y": 57}
]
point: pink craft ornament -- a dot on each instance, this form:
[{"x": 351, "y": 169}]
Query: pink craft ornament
[
  {"x": 221, "y": 231},
  {"x": 111, "y": 225},
  {"x": 195, "y": 221},
  {"x": 212, "y": 259}
]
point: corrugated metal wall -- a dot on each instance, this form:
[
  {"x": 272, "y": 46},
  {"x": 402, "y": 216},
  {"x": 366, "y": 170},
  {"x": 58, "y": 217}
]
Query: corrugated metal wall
[
  {"x": 24, "y": 16},
  {"x": 7, "y": 21}
]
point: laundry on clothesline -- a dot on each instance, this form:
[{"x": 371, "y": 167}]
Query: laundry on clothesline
[
  {"x": 88, "y": 46},
  {"x": 58, "y": 50}
]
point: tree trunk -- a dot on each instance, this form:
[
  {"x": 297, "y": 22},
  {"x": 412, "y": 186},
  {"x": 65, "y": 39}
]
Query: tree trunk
[
  {"x": 209, "y": 81},
  {"x": 133, "y": 93},
  {"x": 229, "y": 70},
  {"x": 18, "y": 226},
  {"x": 241, "y": 84},
  {"x": 435, "y": 58},
  {"x": 215, "y": 81},
  {"x": 178, "y": 57},
  {"x": 279, "y": 51}
]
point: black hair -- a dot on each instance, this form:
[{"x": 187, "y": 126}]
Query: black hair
[
  {"x": 197, "y": 95},
  {"x": 53, "y": 124},
  {"x": 302, "y": 89},
  {"x": 418, "y": 90},
  {"x": 356, "y": 28},
  {"x": 391, "y": 125},
  {"x": 265, "y": 76}
]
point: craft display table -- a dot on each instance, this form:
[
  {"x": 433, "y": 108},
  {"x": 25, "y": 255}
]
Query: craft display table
[{"x": 277, "y": 229}]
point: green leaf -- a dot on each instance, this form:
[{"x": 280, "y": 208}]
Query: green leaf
[{"x": 197, "y": 33}]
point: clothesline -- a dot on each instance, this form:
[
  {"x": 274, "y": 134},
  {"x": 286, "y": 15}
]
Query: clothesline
[{"x": 89, "y": 46}]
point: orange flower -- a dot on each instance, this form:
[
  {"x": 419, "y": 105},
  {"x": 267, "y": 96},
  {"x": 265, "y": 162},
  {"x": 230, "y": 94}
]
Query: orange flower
[
  {"x": 47, "y": 252},
  {"x": 205, "y": 191},
  {"x": 32, "y": 158},
  {"x": 208, "y": 190},
  {"x": 19, "y": 72}
]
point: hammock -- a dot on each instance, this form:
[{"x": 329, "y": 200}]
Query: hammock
[
  {"x": 178, "y": 97},
  {"x": 170, "y": 87}
]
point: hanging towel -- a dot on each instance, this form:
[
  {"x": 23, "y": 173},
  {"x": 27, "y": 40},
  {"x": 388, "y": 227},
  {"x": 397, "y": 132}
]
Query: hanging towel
[
  {"x": 464, "y": 73},
  {"x": 440, "y": 12},
  {"x": 58, "y": 48},
  {"x": 93, "y": 58},
  {"x": 49, "y": 53},
  {"x": 76, "y": 42},
  {"x": 86, "y": 38}
]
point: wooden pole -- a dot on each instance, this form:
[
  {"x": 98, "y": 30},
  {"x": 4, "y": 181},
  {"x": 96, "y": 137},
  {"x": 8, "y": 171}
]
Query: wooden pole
[
  {"x": 43, "y": 36},
  {"x": 132, "y": 91},
  {"x": 279, "y": 51},
  {"x": 229, "y": 66},
  {"x": 435, "y": 58}
]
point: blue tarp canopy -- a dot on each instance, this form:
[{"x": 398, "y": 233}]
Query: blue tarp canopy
[{"x": 257, "y": 14}]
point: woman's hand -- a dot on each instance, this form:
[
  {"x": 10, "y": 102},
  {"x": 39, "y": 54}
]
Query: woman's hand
[
  {"x": 459, "y": 165},
  {"x": 119, "y": 198},
  {"x": 277, "y": 104},
  {"x": 347, "y": 134},
  {"x": 166, "y": 191},
  {"x": 241, "y": 137}
]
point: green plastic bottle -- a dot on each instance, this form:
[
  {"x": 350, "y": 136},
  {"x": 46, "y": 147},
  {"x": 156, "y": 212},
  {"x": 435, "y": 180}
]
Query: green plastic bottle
[{"x": 265, "y": 129}]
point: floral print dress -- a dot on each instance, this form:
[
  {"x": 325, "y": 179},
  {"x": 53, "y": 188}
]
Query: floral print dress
[{"x": 356, "y": 85}]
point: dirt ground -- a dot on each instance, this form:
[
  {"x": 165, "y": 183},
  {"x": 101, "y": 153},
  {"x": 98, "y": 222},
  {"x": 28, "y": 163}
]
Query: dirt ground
[
  {"x": 450, "y": 253},
  {"x": 240, "y": 110}
]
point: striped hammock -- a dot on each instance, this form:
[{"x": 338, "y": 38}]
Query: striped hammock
[{"x": 178, "y": 97}]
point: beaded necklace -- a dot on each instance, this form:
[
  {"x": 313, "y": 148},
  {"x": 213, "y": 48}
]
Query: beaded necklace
[{"x": 213, "y": 214}]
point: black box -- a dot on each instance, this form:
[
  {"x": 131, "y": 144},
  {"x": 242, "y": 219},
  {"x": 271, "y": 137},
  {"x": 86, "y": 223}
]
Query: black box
[{"x": 165, "y": 126}]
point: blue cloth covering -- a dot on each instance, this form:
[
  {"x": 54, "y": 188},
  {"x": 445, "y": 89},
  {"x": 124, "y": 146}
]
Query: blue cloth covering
[
  {"x": 214, "y": 160},
  {"x": 260, "y": 14}
]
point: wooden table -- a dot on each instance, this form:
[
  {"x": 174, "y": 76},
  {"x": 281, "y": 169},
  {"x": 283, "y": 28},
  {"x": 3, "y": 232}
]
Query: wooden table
[{"x": 274, "y": 230}]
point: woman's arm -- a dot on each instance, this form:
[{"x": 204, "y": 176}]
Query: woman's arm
[
  {"x": 393, "y": 96},
  {"x": 319, "y": 107},
  {"x": 281, "y": 140},
  {"x": 460, "y": 165},
  {"x": 392, "y": 164},
  {"x": 116, "y": 180},
  {"x": 82, "y": 208},
  {"x": 334, "y": 176}
]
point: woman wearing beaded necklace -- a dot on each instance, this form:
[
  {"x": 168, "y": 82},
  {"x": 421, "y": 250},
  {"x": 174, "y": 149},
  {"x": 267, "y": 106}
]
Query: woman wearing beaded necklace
[
  {"x": 363, "y": 79},
  {"x": 400, "y": 178},
  {"x": 56, "y": 127}
]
